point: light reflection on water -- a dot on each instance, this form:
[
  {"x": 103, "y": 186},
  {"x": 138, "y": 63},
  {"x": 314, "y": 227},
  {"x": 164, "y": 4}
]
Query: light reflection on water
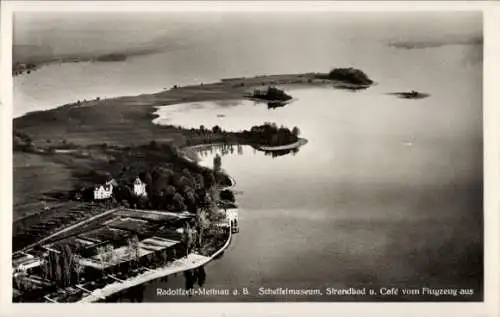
[{"x": 385, "y": 193}]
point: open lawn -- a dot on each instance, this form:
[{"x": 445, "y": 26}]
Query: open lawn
[{"x": 35, "y": 175}]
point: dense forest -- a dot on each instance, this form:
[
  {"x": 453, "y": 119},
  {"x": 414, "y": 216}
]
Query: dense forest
[
  {"x": 270, "y": 134},
  {"x": 347, "y": 75},
  {"x": 173, "y": 183}
]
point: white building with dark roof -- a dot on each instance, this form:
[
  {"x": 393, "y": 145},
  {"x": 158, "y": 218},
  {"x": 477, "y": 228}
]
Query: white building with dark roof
[
  {"x": 139, "y": 188},
  {"x": 104, "y": 191}
]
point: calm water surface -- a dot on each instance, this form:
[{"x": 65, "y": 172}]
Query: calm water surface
[
  {"x": 387, "y": 193},
  {"x": 208, "y": 47}
]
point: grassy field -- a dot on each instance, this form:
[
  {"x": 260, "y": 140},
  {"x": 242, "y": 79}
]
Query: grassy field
[
  {"x": 35, "y": 175},
  {"x": 128, "y": 120}
]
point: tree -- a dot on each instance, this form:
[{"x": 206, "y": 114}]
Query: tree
[
  {"x": 58, "y": 272},
  {"x": 201, "y": 276},
  {"x": 350, "y": 75},
  {"x": 110, "y": 255},
  {"x": 187, "y": 173},
  {"x": 164, "y": 256},
  {"x": 170, "y": 191},
  {"x": 149, "y": 259},
  {"x": 148, "y": 180},
  {"x": 153, "y": 145},
  {"x": 216, "y": 129},
  {"x": 130, "y": 252},
  {"x": 45, "y": 269},
  {"x": 200, "y": 182},
  {"x": 209, "y": 179},
  {"x": 133, "y": 249},
  {"x": 190, "y": 199},
  {"x": 185, "y": 182},
  {"x": 66, "y": 264},
  {"x": 295, "y": 131},
  {"x": 187, "y": 237},
  {"x": 122, "y": 193},
  {"x": 143, "y": 202},
  {"x": 77, "y": 267},
  {"x": 202, "y": 224},
  {"x": 179, "y": 202},
  {"x": 100, "y": 255},
  {"x": 227, "y": 195},
  {"x": 217, "y": 163}
]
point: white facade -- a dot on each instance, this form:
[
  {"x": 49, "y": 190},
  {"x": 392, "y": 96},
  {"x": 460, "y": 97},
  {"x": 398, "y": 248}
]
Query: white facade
[
  {"x": 139, "y": 188},
  {"x": 232, "y": 214},
  {"x": 104, "y": 191},
  {"x": 232, "y": 218}
]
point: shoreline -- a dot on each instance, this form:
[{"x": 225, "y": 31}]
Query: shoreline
[
  {"x": 183, "y": 264},
  {"x": 192, "y": 261},
  {"x": 290, "y": 146},
  {"x": 126, "y": 122}
]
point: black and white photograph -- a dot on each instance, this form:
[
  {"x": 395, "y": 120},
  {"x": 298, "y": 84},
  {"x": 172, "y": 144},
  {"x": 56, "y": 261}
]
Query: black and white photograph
[{"x": 170, "y": 156}]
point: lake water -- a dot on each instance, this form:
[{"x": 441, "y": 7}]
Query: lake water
[
  {"x": 205, "y": 47},
  {"x": 386, "y": 193}
]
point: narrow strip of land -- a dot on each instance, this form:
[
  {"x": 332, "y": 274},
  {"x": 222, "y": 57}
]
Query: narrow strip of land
[{"x": 291, "y": 146}]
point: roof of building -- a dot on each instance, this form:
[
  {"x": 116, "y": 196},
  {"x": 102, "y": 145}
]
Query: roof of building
[
  {"x": 112, "y": 182},
  {"x": 21, "y": 260}
]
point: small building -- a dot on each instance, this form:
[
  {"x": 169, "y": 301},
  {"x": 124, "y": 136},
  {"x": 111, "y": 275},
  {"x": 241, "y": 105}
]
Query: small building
[
  {"x": 104, "y": 191},
  {"x": 24, "y": 262},
  {"x": 139, "y": 188},
  {"x": 232, "y": 217}
]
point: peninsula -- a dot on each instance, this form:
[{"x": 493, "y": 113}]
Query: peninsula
[
  {"x": 98, "y": 185},
  {"x": 128, "y": 120}
]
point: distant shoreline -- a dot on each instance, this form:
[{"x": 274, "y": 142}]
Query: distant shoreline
[{"x": 128, "y": 120}]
